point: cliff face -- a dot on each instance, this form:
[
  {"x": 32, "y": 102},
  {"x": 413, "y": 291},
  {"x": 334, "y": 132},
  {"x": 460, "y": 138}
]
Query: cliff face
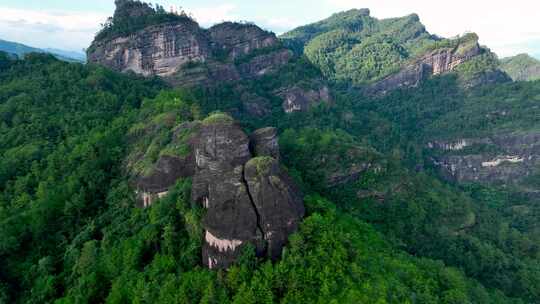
[
  {"x": 239, "y": 40},
  {"x": 500, "y": 159},
  {"x": 436, "y": 62},
  {"x": 297, "y": 99},
  {"x": 444, "y": 60},
  {"x": 238, "y": 180},
  {"x": 184, "y": 54},
  {"x": 158, "y": 50}
]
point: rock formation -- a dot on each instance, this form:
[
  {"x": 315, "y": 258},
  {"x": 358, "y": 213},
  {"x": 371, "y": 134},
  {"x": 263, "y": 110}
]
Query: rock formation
[
  {"x": 297, "y": 99},
  {"x": 184, "y": 54},
  {"x": 248, "y": 198},
  {"x": 510, "y": 158},
  {"x": 264, "y": 142},
  {"x": 437, "y": 62}
]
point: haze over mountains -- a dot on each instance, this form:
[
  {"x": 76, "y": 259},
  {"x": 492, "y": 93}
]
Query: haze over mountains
[{"x": 21, "y": 50}]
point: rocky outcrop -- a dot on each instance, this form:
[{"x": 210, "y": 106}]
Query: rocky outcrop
[
  {"x": 160, "y": 50},
  {"x": 505, "y": 159},
  {"x": 264, "y": 142},
  {"x": 437, "y": 62},
  {"x": 297, "y": 99},
  {"x": 409, "y": 77},
  {"x": 184, "y": 54},
  {"x": 248, "y": 200},
  {"x": 278, "y": 203},
  {"x": 244, "y": 206},
  {"x": 239, "y": 40},
  {"x": 168, "y": 168}
]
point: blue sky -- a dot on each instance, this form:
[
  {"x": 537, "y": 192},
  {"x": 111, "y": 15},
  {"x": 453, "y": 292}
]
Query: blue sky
[{"x": 508, "y": 29}]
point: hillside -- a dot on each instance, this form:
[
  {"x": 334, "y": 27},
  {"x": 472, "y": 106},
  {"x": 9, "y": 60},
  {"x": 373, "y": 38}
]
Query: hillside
[
  {"x": 521, "y": 67},
  {"x": 21, "y": 50},
  {"x": 227, "y": 165},
  {"x": 356, "y": 49}
]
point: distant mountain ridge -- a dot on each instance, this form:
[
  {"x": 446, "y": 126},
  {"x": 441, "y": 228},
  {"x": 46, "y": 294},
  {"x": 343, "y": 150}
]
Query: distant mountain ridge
[
  {"x": 20, "y": 50},
  {"x": 521, "y": 67}
]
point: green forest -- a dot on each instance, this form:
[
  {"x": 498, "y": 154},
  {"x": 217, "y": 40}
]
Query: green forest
[
  {"x": 70, "y": 231},
  {"x": 383, "y": 223}
]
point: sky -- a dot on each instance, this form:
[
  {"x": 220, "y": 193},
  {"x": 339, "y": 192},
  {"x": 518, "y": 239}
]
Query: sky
[{"x": 508, "y": 28}]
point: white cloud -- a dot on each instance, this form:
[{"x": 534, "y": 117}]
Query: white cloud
[
  {"x": 55, "y": 29},
  {"x": 503, "y": 26}
]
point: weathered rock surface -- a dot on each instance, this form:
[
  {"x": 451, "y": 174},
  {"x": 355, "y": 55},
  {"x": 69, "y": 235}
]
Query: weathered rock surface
[
  {"x": 437, "y": 62},
  {"x": 279, "y": 205},
  {"x": 238, "y": 212},
  {"x": 297, "y": 99},
  {"x": 238, "y": 40},
  {"x": 510, "y": 158},
  {"x": 409, "y": 77},
  {"x": 159, "y": 50},
  {"x": 248, "y": 200},
  {"x": 184, "y": 54},
  {"x": 168, "y": 168},
  {"x": 264, "y": 142}
]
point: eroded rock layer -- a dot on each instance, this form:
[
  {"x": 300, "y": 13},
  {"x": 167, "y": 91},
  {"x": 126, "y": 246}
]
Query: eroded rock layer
[
  {"x": 238, "y": 180},
  {"x": 437, "y": 62},
  {"x": 185, "y": 54},
  {"x": 506, "y": 159}
]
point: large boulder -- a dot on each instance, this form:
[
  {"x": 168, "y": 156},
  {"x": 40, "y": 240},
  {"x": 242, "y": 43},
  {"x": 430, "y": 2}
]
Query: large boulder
[{"x": 498, "y": 159}]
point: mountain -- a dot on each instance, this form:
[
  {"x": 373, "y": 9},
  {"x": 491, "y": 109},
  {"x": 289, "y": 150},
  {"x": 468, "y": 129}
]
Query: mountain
[
  {"x": 228, "y": 165},
  {"x": 354, "y": 48},
  {"x": 175, "y": 47},
  {"x": 522, "y": 67},
  {"x": 78, "y": 56},
  {"x": 21, "y": 50}
]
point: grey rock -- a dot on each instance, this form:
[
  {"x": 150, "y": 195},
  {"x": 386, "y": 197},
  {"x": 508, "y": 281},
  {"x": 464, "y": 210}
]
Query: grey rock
[
  {"x": 514, "y": 157},
  {"x": 264, "y": 142},
  {"x": 436, "y": 62},
  {"x": 297, "y": 99},
  {"x": 184, "y": 54},
  {"x": 278, "y": 202},
  {"x": 240, "y": 39}
]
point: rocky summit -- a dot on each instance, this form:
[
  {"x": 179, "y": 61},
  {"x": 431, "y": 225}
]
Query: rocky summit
[
  {"x": 237, "y": 178},
  {"x": 181, "y": 52}
]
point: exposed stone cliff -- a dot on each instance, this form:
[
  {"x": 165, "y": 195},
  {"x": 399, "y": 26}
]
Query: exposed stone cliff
[
  {"x": 184, "y": 54},
  {"x": 248, "y": 198},
  {"x": 500, "y": 159},
  {"x": 297, "y": 99},
  {"x": 439, "y": 61}
]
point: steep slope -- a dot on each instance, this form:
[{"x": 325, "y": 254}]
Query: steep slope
[
  {"x": 354, "y": 48},
  {"x": 521, "y": 67},
  {"x": 151, "y": 42},
  {"x": 71, "y": 231},
  {"x": 248, "y": 198}
]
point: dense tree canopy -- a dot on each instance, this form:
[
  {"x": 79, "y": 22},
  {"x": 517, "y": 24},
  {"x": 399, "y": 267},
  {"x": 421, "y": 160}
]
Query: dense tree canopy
[{"x": 70, "y": 231}]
